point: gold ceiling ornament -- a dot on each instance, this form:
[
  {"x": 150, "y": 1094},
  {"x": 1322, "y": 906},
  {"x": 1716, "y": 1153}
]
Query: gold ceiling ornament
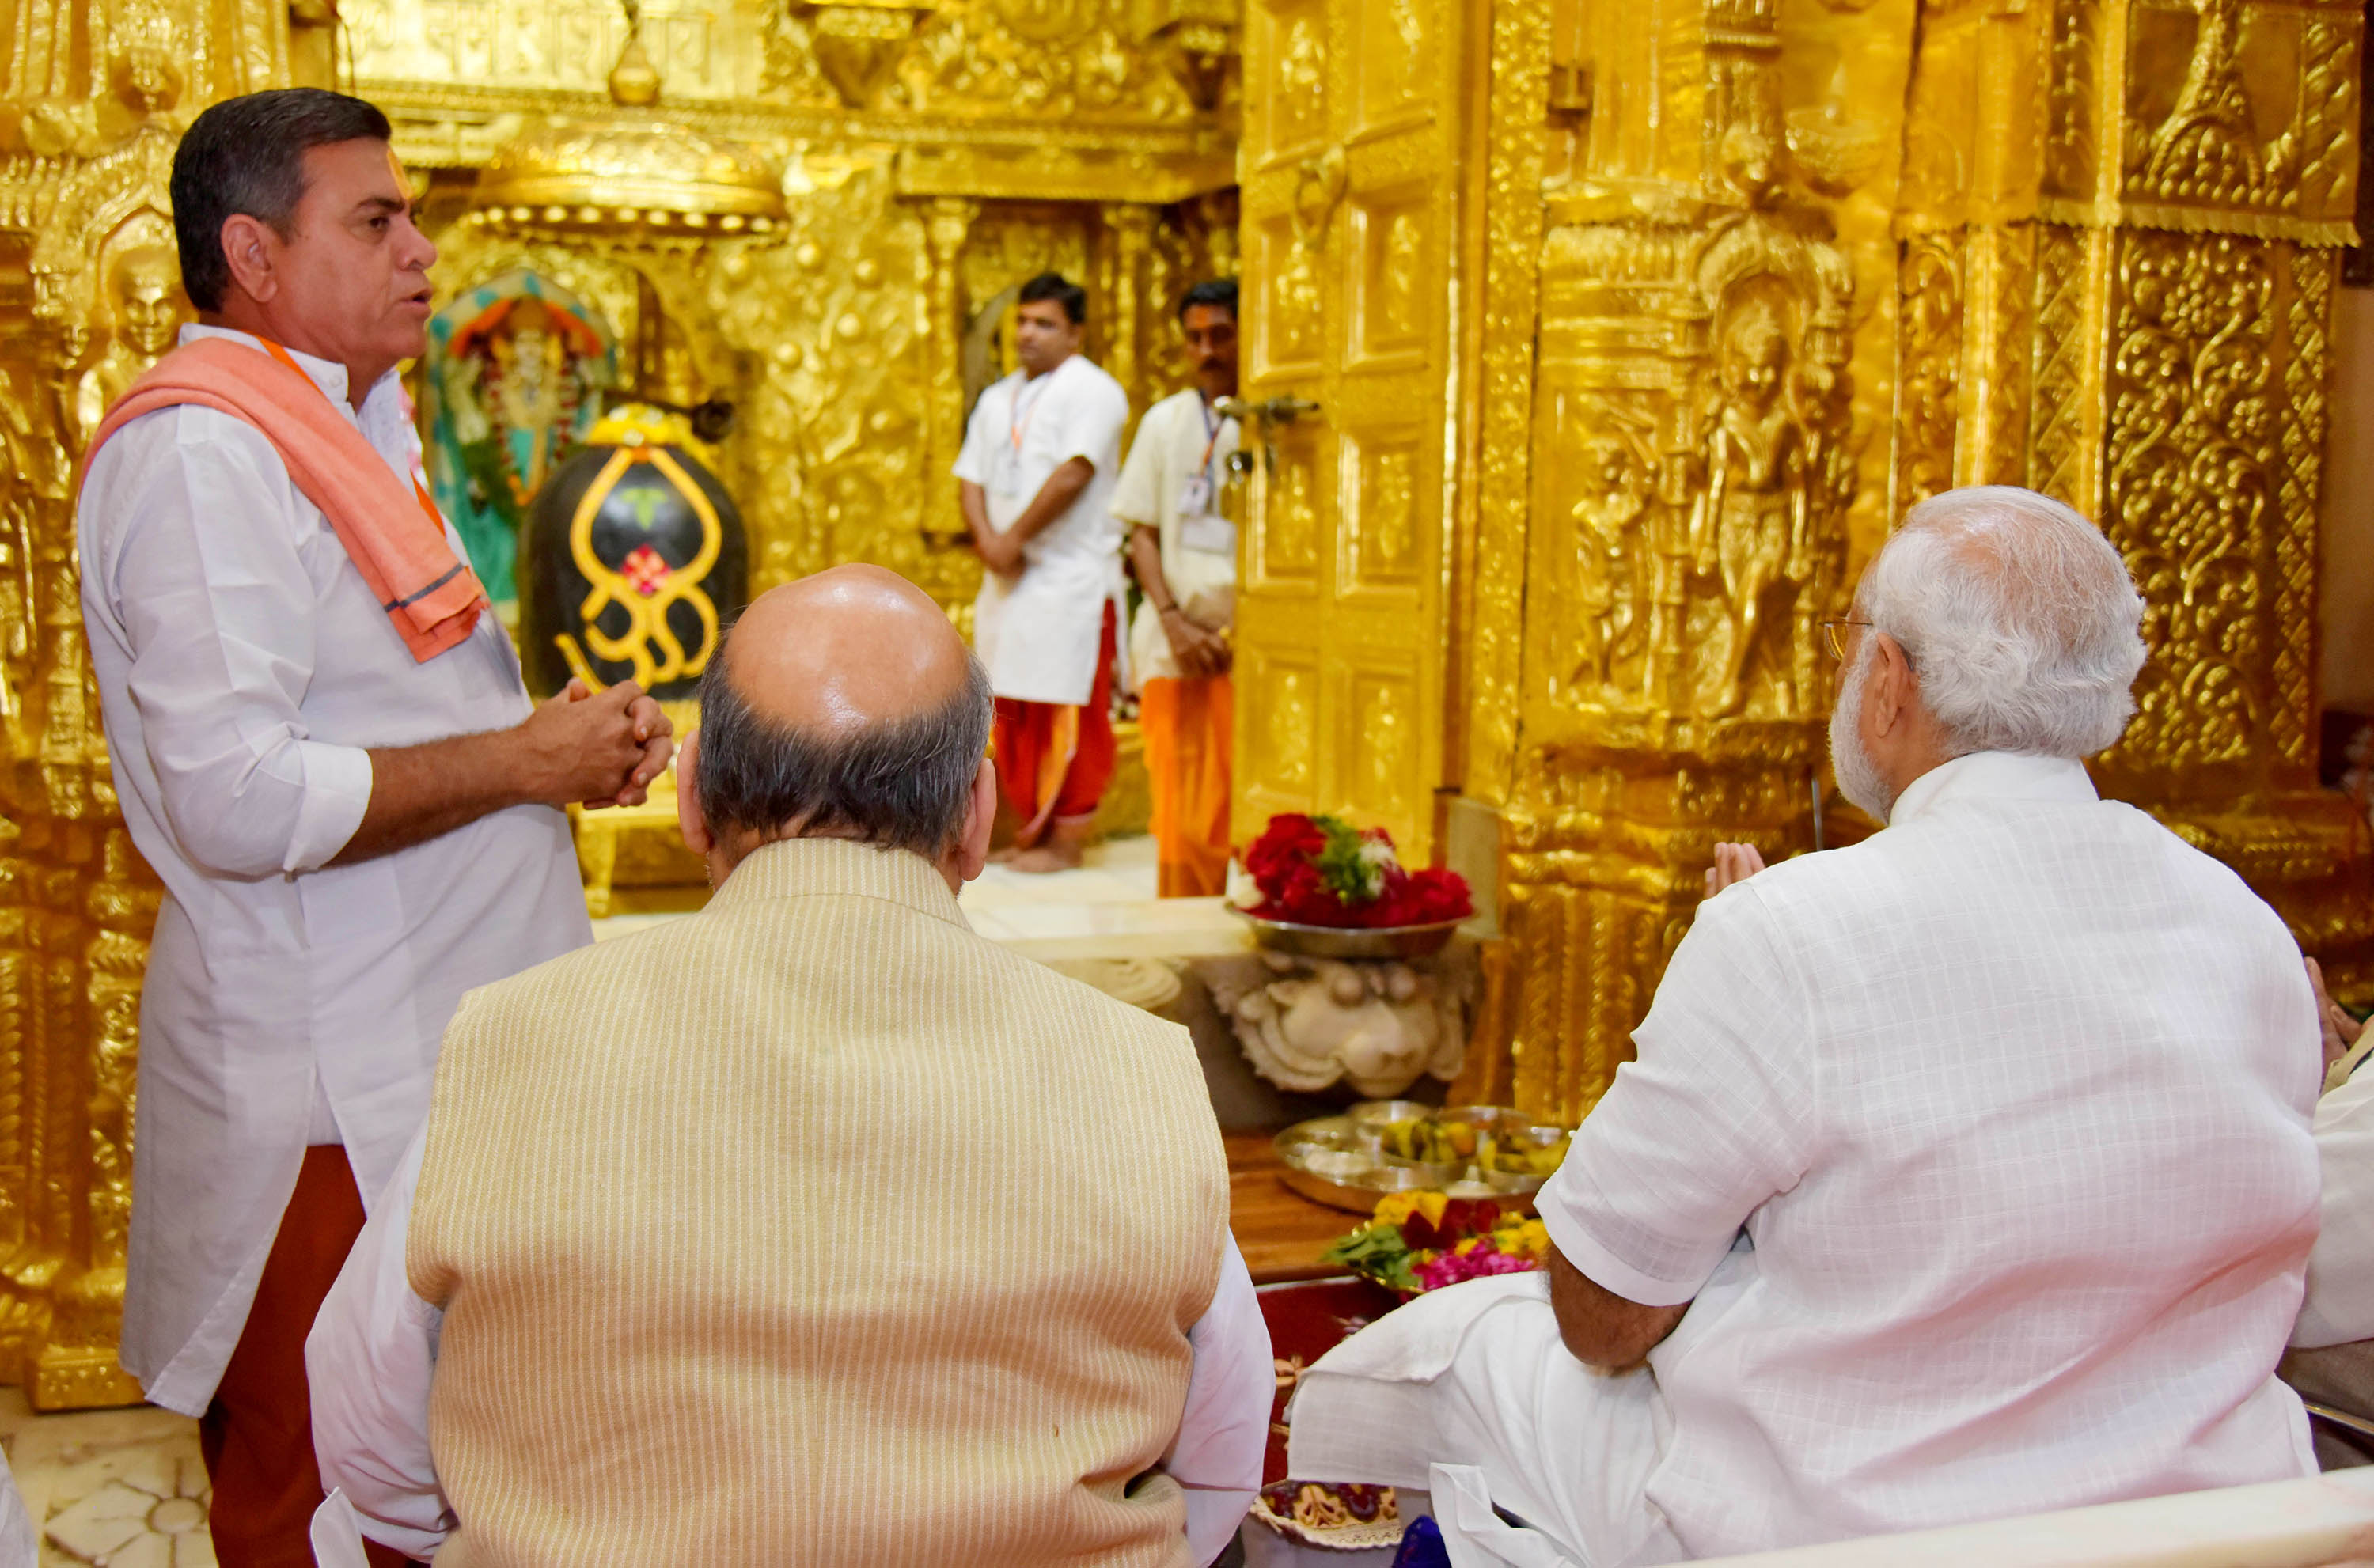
[
  {"x": 630, "y": 169},
  {"x": 1201, "y": 37},
  {"x": 856, "y": 45}
]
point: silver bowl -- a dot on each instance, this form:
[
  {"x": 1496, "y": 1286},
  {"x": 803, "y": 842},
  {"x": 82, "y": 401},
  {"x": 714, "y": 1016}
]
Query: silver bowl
[{"x": 1350, "y": 942}]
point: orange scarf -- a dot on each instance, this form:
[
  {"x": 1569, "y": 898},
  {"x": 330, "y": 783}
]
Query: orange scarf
[{"x": 397, "y": 540}]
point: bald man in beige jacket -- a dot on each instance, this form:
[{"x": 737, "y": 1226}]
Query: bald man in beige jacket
[{"x": 812, "y": 1228}]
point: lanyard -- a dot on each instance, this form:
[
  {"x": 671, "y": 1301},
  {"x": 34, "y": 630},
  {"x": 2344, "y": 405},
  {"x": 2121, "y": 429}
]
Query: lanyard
[
  {"x": 419, "y": 492},
  {"x": 1026, "y": 408},
  {"x": 1211, "y": 423}
]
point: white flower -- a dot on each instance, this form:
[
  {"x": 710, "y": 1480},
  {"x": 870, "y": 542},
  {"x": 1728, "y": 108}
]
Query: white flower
[{"x": 1245, "y": 893}]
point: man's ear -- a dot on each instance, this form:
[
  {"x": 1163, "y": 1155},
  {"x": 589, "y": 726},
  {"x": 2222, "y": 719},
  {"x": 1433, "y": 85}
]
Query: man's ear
[
  {"x": 1892, "y": 682},
  {"x": 981, "y": 817},
  {"x": 252, "y": 248},
  {"x": 688, "y": 819}
]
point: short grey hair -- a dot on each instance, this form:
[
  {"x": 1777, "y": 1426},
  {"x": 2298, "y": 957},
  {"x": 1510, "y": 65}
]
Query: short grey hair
[
  {"x": 906, "y": 784},
  {"x": 2019, "y": 618}
]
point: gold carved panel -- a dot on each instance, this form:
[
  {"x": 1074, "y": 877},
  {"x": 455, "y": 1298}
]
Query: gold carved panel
[
  {"x": 1299, "y": 513},
  {"x": 1385, "y": 471},
  {"x": 1282, "y": 758},
  {"x": 1390, "y": 247},
  {"x": 703, "y": 52},
  {"x": 1290, "y": 36},
  {"x": 1287, "y": 330},
  {"x": 1393, "y": 66},
  {"x": 1378, "y": 746}
]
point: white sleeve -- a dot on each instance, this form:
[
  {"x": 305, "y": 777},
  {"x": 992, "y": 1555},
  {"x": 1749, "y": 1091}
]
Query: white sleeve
[
  {"x": 370, "y": 1361},
  {"x": 1224, "y": 1430},
  {"x": 1715, "y": 1116},
  {"x": 218, "y": 612},
  {"x": 2340, "y": 1303},
  {"x": 1133, "y": 500},
  {"x": 972, "y": 460},
  {"x": 1093, "y": 421}
]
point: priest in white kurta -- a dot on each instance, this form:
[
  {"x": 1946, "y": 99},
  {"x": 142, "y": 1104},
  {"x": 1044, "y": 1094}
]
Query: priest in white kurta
[
  {"x": 1962, "y": 1173},
  {"x": 350, "y": 835},
  {"x": 1040, "y": 456},
  {"x": 1185, "y": 553}
]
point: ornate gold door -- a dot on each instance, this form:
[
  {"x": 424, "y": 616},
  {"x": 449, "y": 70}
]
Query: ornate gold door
[{"x": 1351, "y": 203}]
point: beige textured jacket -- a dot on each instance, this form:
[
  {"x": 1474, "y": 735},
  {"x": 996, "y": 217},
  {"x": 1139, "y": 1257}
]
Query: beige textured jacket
[{"x": 813, "y": 1229}]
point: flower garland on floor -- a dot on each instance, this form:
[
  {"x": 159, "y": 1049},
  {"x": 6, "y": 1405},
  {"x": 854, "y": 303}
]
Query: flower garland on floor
[
  {"x": 1320, "y": 870},
  {"x": 1422, "y": 1241}
]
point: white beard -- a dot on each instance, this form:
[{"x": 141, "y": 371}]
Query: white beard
[{"x": 1859, "y": 778}]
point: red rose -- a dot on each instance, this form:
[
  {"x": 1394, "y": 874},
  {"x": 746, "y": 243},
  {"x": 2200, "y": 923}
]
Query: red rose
[
  {"x": 1464, "y": 1217},
  {"x": 1291, "y": 841}
]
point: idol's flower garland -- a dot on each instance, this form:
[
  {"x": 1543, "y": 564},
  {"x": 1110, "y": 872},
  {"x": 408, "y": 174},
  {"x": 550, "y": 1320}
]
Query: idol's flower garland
[
  {"x": 1320, "y": 870},
  {"x": 1422, "y": 1241}
]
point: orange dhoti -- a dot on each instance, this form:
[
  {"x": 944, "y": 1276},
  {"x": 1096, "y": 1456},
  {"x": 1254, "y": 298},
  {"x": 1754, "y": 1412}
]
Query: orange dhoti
[
  {"x": 1053, "y": 759},
  {"x": 1187, "y": 727}
]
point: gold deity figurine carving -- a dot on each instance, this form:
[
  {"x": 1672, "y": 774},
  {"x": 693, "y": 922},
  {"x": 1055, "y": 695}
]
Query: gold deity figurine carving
[
  {"x": 1751, "y": 523},
  {"x": 146, "y": 306},
  {"x": 1609, "y": 552}
]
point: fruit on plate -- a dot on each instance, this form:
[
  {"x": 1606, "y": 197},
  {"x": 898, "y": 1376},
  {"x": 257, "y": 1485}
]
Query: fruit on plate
[{"x": 1522, "y": 1157}]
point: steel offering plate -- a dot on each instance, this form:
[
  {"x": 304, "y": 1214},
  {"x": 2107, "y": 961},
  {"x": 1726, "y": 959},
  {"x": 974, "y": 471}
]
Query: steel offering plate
[{"x": 1340, "y": 1161}]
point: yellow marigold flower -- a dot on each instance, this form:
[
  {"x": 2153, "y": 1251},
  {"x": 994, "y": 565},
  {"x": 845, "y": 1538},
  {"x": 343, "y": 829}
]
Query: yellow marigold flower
[{"x": 1394, "y": 1208}]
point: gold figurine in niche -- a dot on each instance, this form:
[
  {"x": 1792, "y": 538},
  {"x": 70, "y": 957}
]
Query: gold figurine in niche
[
  {"x": 145, "y": 305},
  {"x": 1750, "y": 524},
  {"x": 1608, "y": 558}
]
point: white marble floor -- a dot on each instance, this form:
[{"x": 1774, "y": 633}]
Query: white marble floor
[{"x": 112, "y": 1489}]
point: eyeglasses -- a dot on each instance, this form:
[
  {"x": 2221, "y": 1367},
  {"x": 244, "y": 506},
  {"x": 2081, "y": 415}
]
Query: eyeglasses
[{"x": 1834, "y": 636}]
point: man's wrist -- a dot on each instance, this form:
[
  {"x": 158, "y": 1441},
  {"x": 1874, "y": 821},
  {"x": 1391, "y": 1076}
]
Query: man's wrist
[{"x": 510, "y": 768}]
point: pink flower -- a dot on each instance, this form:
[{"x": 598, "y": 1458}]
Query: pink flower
[{"x": 1452, "y": 1267}]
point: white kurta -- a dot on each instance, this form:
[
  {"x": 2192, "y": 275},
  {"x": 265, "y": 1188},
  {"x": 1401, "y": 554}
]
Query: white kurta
[
  {"x": 371, "y": 1361},
  {"x": 1981, "y": 1151},
  {"x": 2340, "y": 1305},
  {"x": 244, "y": 668},
  {"x": 1171, "y": 484},
  {"x": 1038, "y": 635}
]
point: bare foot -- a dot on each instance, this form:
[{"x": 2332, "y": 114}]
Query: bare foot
[{"x": 1047, "y": 858}]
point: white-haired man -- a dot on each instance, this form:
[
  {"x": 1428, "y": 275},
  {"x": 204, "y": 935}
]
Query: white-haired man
[{"x": 1962, "y": 1173}]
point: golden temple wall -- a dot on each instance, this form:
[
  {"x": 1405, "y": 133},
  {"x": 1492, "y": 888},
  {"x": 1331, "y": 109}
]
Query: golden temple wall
[
  {"x": 1754, "y": 275},
  {"x": 94, "y": 98}
]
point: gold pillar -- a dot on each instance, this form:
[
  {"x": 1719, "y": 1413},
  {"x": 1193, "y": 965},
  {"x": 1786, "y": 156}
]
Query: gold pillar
[
  {"x": 1131, "y": 230},
  {"x": 86, "y": 228},
  {"x": 947, "y": 221}
]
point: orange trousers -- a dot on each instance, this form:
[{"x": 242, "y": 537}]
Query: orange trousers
[
  {"x": 257, "y": 1435},
  {"x": 1055, "y": 760},
  {"x": 1189, "y": 728}
]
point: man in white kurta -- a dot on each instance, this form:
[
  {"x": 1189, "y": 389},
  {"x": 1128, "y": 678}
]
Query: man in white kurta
[
  {"x": 1185, "y": 553},
  {"x": 2332, "y": 1344},
  {"x": 1962, "y": 1173},
  {"x": 1036, "y": 476},
  {"x": 338, "y": 868}
]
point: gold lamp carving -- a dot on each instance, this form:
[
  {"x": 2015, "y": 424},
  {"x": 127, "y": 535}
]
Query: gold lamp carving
[{"x": 631, "y": 170}]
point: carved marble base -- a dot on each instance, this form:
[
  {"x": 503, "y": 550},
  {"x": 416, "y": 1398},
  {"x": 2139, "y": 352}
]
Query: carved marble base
[{"x": 1378, "y": 1025}]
